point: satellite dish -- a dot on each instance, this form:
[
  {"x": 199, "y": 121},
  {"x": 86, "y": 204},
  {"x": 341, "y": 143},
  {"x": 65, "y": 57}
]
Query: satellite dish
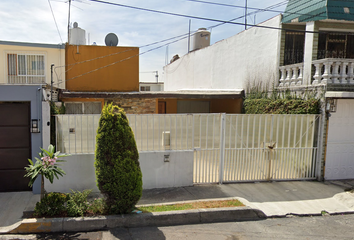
[{"x": 111, "y": 40}]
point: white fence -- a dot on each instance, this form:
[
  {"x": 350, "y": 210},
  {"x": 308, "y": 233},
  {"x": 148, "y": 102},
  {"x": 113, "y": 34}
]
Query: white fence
[{"x": 227, "y": 148}]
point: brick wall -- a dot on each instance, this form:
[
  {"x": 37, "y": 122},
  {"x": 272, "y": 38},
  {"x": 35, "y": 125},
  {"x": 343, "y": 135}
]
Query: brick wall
[{"x": 136, "y": 105}]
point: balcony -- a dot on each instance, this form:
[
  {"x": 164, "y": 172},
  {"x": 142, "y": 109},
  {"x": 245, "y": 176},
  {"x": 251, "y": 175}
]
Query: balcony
[{"x": 337, "y": 71}]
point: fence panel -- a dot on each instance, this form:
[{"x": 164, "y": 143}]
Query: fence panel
[{"x": 257, "y": 147}]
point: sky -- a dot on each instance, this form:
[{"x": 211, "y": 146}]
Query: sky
[{"x": 33, "y": 21}]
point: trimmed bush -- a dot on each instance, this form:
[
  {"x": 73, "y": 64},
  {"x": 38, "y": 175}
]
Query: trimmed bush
[
  {"x": 52, "y": 204},
  {"x": 282, "y": 106},
  {"x": 117, "y": 166}
]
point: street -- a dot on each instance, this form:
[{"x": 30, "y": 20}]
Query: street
[{"x": 323, "y": 227}]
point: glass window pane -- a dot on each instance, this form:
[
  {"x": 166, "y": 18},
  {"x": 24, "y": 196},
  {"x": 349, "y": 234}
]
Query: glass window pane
[{"x": 21, "y": 64}]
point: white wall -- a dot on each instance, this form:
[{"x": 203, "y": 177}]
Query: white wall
[
  {"x": 250, "y": 55},
  {"x": 153, "y": 86},
  {"x": 80, "y": 171}
]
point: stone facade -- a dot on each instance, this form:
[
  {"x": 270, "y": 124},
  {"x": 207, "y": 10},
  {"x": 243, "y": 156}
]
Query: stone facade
[{"x": 136, "y": 105}]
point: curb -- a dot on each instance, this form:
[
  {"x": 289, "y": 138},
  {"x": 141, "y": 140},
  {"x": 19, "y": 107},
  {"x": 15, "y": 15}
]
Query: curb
[{"x": 157, "y": 219}]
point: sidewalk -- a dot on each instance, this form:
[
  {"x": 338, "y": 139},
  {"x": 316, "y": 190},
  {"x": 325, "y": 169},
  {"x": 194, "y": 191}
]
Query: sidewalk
[{"x": 275, "y": 199}]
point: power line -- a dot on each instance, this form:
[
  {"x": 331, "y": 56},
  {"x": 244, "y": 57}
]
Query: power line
[
  {"x": 188, "y": 16},
  {"x": 248, "y": 14},
  {"x": 252, "y": 8},
  {"x": 50, "y": 5},
  {"x": 111, "y": 64}
]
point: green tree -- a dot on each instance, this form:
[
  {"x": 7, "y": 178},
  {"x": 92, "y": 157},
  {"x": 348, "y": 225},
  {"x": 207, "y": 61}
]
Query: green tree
[{"x": 117, "y": 166}]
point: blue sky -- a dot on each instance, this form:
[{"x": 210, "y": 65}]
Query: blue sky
[{"x": 32, "y": 21}]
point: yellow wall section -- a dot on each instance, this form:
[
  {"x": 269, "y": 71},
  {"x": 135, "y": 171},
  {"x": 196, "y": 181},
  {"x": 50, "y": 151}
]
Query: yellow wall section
[{"x": 120, "y": 76}]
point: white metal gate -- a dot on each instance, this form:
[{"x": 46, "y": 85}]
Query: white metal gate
[
  {"x": 227, "y": 147},
  {"x": 255, "y": 147}
]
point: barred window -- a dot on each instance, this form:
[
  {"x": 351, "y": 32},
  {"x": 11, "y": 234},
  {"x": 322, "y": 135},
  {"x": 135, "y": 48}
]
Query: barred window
[
  {"x": 146, "y": 88},
  {"x": 83, "y": 108},
  {"x": 25, "y": 68}
]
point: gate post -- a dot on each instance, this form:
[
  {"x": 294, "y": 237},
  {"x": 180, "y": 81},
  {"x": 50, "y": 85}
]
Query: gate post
[{"x": 222, "y": 147}]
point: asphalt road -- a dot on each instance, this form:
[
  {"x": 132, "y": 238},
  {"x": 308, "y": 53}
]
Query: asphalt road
[{"x": 312, "y": 228}]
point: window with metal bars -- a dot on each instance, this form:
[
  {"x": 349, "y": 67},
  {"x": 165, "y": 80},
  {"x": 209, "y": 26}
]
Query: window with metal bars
[
  {"x": 25, "y": 68},
  {"x": 83, "y": 108}
]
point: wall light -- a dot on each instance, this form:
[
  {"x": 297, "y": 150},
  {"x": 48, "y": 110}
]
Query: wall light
[
  {"x": 331, "y": 105},
  {"x": 34, "y": 126}
]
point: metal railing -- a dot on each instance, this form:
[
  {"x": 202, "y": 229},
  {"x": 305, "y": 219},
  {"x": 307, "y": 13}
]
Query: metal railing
[{"x": 227, "y": 147}]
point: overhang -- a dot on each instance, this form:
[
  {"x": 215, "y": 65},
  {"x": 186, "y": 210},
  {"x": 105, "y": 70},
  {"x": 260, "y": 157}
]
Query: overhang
[{"x": 158, "y": 94}]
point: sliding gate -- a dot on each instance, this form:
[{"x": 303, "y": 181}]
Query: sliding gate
[{"x": 241, "y": 148}]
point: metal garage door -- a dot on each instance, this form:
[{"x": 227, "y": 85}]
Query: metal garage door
[
  {"x": 340, "y": 143},
  {"x": 15, "y": 146}
]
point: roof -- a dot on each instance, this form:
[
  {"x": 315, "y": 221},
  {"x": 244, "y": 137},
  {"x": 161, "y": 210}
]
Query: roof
[
  {"x": 314, "y": 10},
  {"x": 158, "y": 94},
  {"x": 27, "y": 44}
]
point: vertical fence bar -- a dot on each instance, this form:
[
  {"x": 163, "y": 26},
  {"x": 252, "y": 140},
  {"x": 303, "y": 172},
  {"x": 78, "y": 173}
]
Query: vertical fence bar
[
  {"x": 68, "y": 130},
  {"x": 222, "y": 147}
]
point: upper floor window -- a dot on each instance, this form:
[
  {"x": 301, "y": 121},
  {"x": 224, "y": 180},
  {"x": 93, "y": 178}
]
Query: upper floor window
[{"x": 25, "y": 68}]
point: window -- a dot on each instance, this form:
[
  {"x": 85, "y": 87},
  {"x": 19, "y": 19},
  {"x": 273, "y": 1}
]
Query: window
[
  {"x": 25, "y": 68},
  {"x": 294, "y": 47},
  {"x": 146, "y": 88},
  {"x": 83, "y": 108}
]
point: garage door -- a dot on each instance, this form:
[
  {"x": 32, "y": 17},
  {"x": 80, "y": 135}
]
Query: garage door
[
  {"x": 340, "y": 143},
  {"x": 15, "y": 146}
]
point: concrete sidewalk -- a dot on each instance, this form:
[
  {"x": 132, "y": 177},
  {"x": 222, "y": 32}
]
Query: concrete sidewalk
[{"x": 266, "y": 199}]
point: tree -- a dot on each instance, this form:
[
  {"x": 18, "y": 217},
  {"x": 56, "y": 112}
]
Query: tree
[{"x": 118, "y": 173}]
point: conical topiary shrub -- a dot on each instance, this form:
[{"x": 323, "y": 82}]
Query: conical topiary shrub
[{"x": 118, "y": 172}]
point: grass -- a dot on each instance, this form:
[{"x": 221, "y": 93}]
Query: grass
[{"x": 192, "y": 205}]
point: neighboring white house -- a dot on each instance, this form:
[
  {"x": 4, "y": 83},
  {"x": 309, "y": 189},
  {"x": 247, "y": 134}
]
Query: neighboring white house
[
  {"x": 151, "y": 86},
  {"x": 310, "y": 46}
]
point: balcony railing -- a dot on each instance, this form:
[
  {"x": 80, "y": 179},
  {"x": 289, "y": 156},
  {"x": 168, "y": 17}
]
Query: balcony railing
[
  {"x": 333, "y": 70},
  {"x": 327, "y": 71},
  {"x": 291, "y": 75}
]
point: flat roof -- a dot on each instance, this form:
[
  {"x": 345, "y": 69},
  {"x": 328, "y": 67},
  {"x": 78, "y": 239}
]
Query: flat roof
[
  {"x": 27, "y": 44},
  {"x": 157, "y": 94}
]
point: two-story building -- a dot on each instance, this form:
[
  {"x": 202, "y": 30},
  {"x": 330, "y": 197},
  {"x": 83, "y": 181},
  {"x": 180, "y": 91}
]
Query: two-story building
[
  {"x": 25, "y": 82},
  {"x": 310, "y": 46}
]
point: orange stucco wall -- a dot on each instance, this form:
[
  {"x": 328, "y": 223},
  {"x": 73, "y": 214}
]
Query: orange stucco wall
[
  {"x": 225, "y": 106},
  {"x": 216, "y": 105},
  {"x": 102, "y": 68}
]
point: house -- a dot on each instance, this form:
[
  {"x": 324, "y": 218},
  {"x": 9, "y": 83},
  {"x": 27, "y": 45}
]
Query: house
[
  {"x": 310, "y": 46},
  {"x": 150, "y": 86},
  {"x": 25, "y": 116}
]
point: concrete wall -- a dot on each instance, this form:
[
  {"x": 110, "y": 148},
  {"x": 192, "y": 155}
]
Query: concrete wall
[
  {"x": 248, "y": 56},
  {"x": 32, "y": 94},
  {"x": 80, "y": 171},
  {"x": 113, "y": 74},
  {"x": 54, "y": 54},
  {"x": 154, "y": 87}
]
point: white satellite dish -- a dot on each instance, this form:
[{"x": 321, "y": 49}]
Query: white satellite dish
[{"x": 111, "y": 40}]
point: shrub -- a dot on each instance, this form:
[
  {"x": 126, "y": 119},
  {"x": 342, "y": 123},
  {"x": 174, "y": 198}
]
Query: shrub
[
  {"x": 77, "y": 204},
  {"x": 52, "y": 204},
  {"x": 97, "y": 206},
  {"x": 118, "y": 172}
]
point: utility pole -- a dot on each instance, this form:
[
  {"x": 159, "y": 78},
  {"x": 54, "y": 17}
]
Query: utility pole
[
  {"x": 245, "y": 14},
  {"x": 189, "y": 36},
  {"x": 157, "y": 76},
  {"x": 51, "y": 83},
  {"x": 69, "y": 22}
]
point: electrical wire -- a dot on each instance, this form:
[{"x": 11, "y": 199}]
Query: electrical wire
[
  {"x": 122, "y": 60},
  {"x": 51, "y": 9}
]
